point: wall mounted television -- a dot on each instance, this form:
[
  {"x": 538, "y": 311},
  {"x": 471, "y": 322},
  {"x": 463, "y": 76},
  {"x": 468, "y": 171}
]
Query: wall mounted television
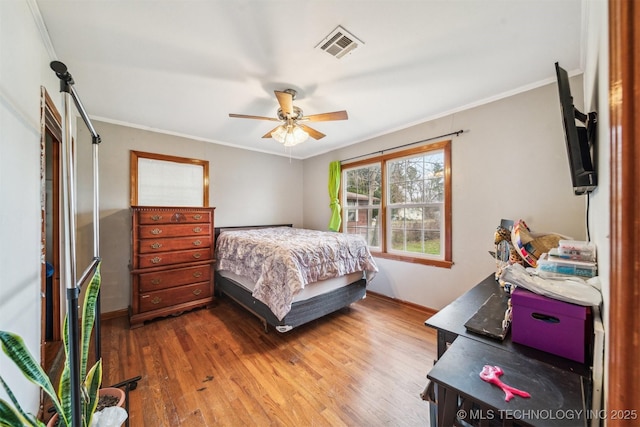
[{"x": 580, "y": 140}]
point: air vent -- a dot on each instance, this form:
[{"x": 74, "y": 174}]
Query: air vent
[{"x": 339, "y": 42}]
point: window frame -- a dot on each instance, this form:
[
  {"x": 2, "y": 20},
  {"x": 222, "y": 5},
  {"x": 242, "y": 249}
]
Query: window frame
[{"x": 446, "y": 261}]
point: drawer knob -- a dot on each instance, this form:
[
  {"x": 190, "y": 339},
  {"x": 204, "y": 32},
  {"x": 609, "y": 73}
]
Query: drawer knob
[
  {"x": 197, "y": 274},
  {"x": 197, "y": 255},
  {"x": 197, "y": 291},
  {"x": 197, "y": 217},
  {"x": 156, "y": 260},
  {"x": 156, "y": 281},
  {"x": 197, "y": 243},
  {"x": 156, "y": 300},
  {"x": 156, "y": 245},
  {"x": 156, "y": 231},
  {"x": 156, "y": 217},
  {"x": 197, "y": 229}
]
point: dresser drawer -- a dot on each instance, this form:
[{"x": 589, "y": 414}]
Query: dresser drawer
[
  {"x": 173, "y": 244},
  {"x": 173, "y": 230},
  {"x": 173, "y": 296},
  {"x": 176, "y": 257},
  {"x": 170, "y": 216},
  {"x": 172, "y": 261},
  {"x": 170, "y": 278}
]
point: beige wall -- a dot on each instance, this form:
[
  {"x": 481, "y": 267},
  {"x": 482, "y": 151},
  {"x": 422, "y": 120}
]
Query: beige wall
[
  {"x": 510, "y": 162},
  {"x": 246, "y": 188}
]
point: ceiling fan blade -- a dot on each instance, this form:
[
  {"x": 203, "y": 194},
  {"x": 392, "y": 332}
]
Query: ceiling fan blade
[
  {"x": 312, "y": 132},
  {"x": 245, "y": 116},
  {"x": 268, "y": 134},
  {"x": 325, "y": 117},
  {"x": 285, "y": 99}
]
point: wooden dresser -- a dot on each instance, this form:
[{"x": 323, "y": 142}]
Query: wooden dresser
[{"x": 171, "y": 262}]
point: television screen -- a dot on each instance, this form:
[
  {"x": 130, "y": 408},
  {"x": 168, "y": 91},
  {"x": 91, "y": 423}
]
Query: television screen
[{"x": 578, "y": 138}]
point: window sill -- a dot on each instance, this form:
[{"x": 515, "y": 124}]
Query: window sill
[{"x": 414, "y": 260}]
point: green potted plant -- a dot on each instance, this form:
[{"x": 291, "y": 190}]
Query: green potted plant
[{"x": 14, "y": 347}]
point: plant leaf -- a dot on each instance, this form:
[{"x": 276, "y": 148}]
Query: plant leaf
[
  {"x": 11, "y": 417},
  {"x": 86, "y": 328},
  {"x": 92, "y": 384},
  {"x": 14, "y": 347},
  {"x": 88, "y": 318},
  {"x": 16, "y": 405},
  {"x": 64, "y": 386}
]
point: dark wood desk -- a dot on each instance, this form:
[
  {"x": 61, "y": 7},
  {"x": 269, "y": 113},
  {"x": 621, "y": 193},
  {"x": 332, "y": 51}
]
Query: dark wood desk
[
  {"x": 449, "y": 323},
  {"x": 557, "y": 396}
]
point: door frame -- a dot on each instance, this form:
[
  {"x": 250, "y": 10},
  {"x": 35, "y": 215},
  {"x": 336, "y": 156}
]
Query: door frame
[
  {"x": 623, "y": 382},
  {"x": 50, "y": 124}
]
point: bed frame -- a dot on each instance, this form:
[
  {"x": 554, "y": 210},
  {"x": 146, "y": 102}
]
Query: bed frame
[{"x": 301, "y": 311}]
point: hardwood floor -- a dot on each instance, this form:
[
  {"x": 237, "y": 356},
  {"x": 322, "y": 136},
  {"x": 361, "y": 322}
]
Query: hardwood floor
[{"x": 361, "y": 366}]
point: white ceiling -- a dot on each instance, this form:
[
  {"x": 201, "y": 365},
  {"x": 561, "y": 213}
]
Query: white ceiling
[{"x": 182, "y": 66}]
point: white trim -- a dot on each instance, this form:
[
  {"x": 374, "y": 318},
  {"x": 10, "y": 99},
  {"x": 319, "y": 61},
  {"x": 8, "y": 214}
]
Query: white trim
[
  {"x": 453, "y": 111},
  {"x": 42, "y": 29},
  {"x": 195, "y": 138}
]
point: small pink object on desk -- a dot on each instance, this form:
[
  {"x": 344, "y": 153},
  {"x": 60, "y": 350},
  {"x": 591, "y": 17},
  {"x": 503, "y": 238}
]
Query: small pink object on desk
[{"x": 490, "y": 374}]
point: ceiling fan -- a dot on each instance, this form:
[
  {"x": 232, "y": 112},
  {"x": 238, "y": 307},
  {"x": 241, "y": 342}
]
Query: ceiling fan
[{"x": 291, "y": 132}]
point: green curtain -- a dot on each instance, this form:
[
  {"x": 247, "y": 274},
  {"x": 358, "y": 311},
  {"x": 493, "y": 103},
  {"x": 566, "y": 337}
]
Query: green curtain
[{"x": 334, "y": 188}]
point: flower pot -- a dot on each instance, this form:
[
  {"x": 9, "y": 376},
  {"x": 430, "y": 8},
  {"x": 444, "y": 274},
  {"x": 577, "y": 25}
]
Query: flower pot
[
  {"x": 115, "y": 392},
  {"x": 107, "y": 391}
]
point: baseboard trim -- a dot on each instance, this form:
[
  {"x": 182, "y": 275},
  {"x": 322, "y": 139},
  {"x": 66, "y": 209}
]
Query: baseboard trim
[
  {"x": 426, "y": 310},
  {"x": 114, "y": 314}
]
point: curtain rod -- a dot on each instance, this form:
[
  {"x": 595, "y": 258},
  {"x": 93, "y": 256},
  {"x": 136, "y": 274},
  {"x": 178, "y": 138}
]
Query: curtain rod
[{"x": 456, "y": 133}]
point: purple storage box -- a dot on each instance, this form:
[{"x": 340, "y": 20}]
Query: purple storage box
[{"x": 550, "y": 325}]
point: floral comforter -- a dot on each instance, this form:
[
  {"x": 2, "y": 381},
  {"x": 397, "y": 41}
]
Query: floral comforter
[{"x": 283, "y": 260}]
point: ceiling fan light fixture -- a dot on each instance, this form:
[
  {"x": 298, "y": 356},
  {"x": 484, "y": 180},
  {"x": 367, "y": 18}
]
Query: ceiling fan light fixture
[
  {"x": 289, "y": 132},
  {"x": 289, "y": 135}
]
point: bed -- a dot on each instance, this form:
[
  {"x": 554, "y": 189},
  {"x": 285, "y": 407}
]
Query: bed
[{"x": 289, "y": 276}]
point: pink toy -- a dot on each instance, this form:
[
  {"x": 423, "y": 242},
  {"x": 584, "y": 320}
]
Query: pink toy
[{"x": 490, "y": 374}]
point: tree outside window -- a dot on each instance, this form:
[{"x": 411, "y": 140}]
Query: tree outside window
[
  {"x": 363, "y": 196},
  {"x": 401, "y": 203}
]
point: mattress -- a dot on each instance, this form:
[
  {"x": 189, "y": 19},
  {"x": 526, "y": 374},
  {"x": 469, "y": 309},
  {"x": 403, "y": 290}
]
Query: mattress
[
  {"x": 301, "y": 312},
  {"x": 309, "y": 291},
  {"x": 283, "y": 261}
]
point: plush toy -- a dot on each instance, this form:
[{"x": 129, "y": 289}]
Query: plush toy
[{"x": 505, "y": 253}]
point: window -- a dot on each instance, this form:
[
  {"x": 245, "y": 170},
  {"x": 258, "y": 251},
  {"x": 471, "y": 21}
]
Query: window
[
  {"x": 162, "y": 180},
  {"x": 401, "y": 203}
]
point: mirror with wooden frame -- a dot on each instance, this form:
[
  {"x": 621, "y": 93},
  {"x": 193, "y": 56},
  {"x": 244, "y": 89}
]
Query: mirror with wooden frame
[{"x": 162, "y": 180}]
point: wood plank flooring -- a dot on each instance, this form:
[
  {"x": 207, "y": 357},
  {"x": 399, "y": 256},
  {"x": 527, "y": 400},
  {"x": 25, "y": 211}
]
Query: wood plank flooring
[{"x": 365, "y": 365}]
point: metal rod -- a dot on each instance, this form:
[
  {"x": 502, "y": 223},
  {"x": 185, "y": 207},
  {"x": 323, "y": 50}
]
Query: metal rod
[
  {"x": 456, "y": 133},
  {"x": 87, "y": 272},
  {"x": 96, "y": 238},
  {"x": 74, "y": 356},
  {"x": 68, "y": 218},
  {"x": 82, "y": 111},
  {"x": 96, "y": 199}
]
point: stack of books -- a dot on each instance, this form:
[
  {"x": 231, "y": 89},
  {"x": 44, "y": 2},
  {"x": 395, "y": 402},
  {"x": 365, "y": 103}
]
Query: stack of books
[{"x": 570, "y": 258}]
